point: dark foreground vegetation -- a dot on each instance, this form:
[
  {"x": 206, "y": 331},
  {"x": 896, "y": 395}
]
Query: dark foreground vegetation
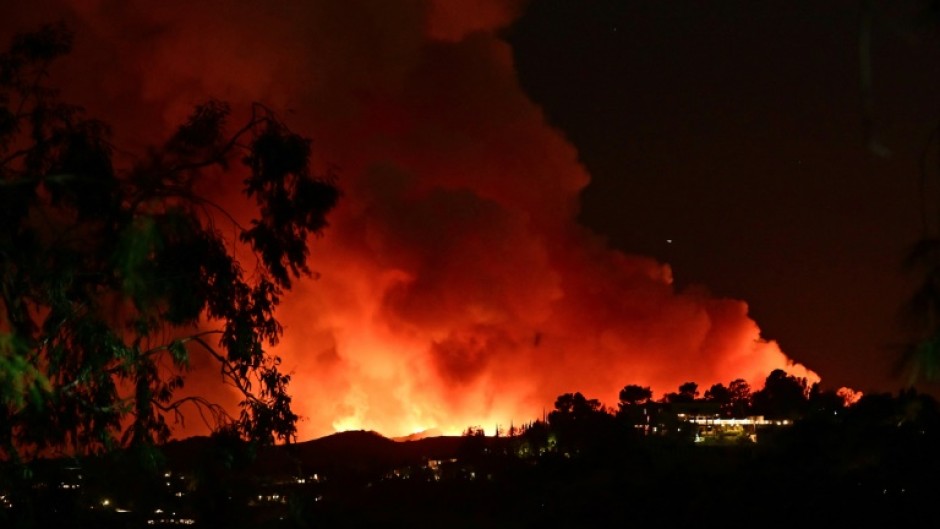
[
  {"x": 108, "y": 274},
  {"x": 875, "y": 461}
]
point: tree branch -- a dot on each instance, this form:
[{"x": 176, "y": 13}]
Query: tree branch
[{"x": 202, "y": 405}]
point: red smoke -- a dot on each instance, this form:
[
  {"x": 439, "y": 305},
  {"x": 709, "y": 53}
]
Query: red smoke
[{"x": 456, "y": 287}]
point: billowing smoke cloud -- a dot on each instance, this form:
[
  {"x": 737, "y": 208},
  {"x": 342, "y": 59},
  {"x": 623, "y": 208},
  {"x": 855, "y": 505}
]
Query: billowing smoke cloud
[{"x": 455, "y": 286}]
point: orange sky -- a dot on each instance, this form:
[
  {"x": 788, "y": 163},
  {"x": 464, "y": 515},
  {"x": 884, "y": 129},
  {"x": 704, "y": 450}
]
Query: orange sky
[{"x": 455, "y": 286}]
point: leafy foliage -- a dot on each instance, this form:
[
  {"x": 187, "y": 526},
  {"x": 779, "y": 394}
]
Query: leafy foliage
[
  {"x": 111, "y": 279},
  {"x": 922, "y": 311}
]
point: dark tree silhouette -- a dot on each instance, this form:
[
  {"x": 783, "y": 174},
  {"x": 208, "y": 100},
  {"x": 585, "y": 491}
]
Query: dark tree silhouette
[
  {"x": 823, "y": 402},
  {"x": 718, "y": 393},
  {"x": 581, "y": 424},
  {"x": 922, "y": 311},
  {"x": 689, "y": 389},
  {"x": 634, "y": 400},
  {"x": 740, "y": 399},
  {"x": 533, "y": 438},
  {"x": 633, "y": 395},
  {"x": 574, "y": 407},
  {"x": 734, "y": 399},
  {"x": 783, "y": 396},
  {"x": 111, "y": 278},
  {"x": 920, "y": 356},
  {"x": 688, "y": 392}
]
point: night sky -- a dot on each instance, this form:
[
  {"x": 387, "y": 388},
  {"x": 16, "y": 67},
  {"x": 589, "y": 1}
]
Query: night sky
[
  {"x": 552, "y": 196},
  {"x": 734, "y": 129}
]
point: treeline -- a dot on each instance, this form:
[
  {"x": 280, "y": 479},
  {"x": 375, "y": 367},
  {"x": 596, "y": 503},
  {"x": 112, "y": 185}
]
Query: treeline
[
  {"x": 838, "y": 458},
  {"x": 854, "y": 462},
  {"x": 578, "y": 423}
]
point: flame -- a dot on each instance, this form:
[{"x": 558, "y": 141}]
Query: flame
[
  {"x": 456, "y": 287},
  {"x": 849, "y": 396}
]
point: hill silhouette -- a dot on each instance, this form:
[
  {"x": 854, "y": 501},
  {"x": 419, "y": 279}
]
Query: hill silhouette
[{"x": 354, "y": 452}]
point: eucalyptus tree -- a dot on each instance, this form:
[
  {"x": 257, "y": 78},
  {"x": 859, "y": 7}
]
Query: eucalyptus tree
[{"x": 112, "y": 278}]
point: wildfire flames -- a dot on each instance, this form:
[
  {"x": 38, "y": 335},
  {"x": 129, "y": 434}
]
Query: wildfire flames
[{"x": 455, "y": 286}]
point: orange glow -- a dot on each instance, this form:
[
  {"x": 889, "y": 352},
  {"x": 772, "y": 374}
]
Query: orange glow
[
  {"x": 367, "y": 364},
  {"x": 456, "y": 287},
  {"x": 849, "y": 395}
]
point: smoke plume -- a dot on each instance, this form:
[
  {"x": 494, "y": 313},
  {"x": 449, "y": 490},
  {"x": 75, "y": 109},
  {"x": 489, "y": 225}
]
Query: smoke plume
[{"x": 455, "y": 286}]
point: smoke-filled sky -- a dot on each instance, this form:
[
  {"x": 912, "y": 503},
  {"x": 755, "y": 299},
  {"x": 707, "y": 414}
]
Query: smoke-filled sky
[
  {"x": 513, "y": 175},
  {"x": 735, "y": 130}
]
